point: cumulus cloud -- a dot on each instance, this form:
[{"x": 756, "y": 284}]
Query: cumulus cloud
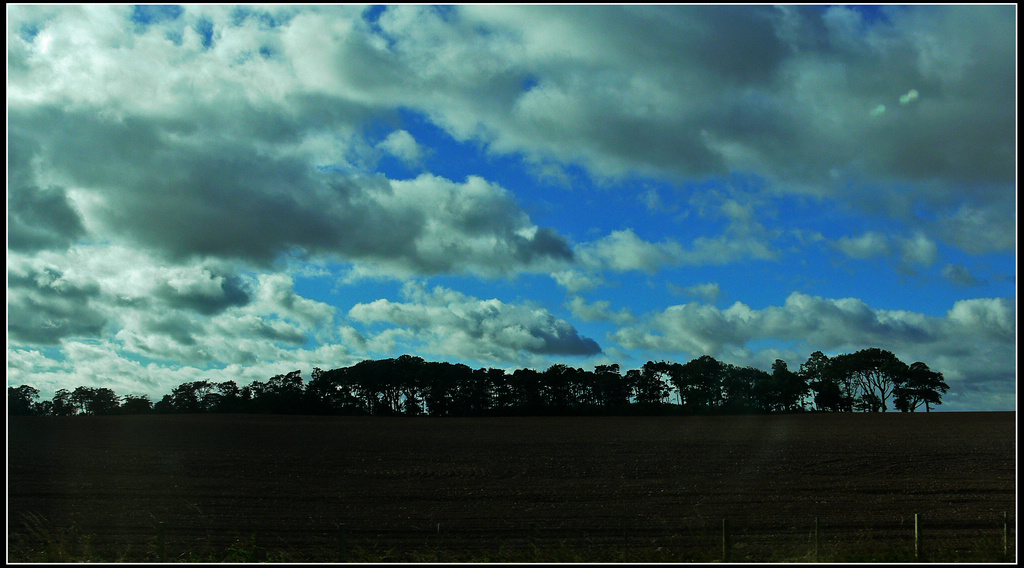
[
  {"x": 403, "y": 146},
  {"x": 600, "y": 310},
  {"x": 107, "y": 99},
  {"x": 192, "y": 200},
  {"x": 192, "y": 314},
  {"x": 918, "y": 250},
  {"x": 575, "y": 281},
  {"x": 909, "y": 252},
  {"x": 45, "y": 304},
  {"x": 251, "y": 167},
  {"x": 623, "y": 251},
  {"x": 707, "y": 292},
  {"x": 972, "y": 344},
  {"x": 449, "y": 323},
  {"x": 959, "y": 275}
]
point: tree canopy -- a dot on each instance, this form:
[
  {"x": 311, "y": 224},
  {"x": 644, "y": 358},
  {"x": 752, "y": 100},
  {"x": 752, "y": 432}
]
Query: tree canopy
[{"x": 862, "y": 381}]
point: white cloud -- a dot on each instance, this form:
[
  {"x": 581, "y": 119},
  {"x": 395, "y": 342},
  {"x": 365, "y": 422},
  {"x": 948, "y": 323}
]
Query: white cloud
[
  {"x": 624, "y": 250},
  {"x": 908, "y": 253},
  {"x": 707, "y": 292},
  {"x": 918, "y": 250},
  {"x": 868, "y": 245},
  {"x": 959, "y": 275},
  {"x": 403, "y": 146},
  {"x": 191, "y": 314},
  {"x": 599, "y": 311},
  {"x": 451, "y": 324},
  {"x": 973, "y": 344},
  {"x": 575, "y": 281}
]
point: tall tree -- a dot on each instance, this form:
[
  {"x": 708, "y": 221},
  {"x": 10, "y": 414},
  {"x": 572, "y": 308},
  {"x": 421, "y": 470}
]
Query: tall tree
[
  {"x": 833, "y": 390},
  {"x": 132, "y": 404},
  {"x": 285, "y": 394},
  {"x": 612, "y": 389},
  {"x": 649, "y": 388},
  {"x": 922, "y": 386},
  {"x": 789, "y": 387},
  {"x": 95, "y": 401},
  {"x": 743, "y": 387},
  {"x": 700, "y": 383},
  {"x": 21, "y": 400},
  {"x": 333, "y": 392},
  {"x": 876, "y": 372},
  {"x": 527, "y": 391},
  {"x": 665, "y": 373},
  {"x": 191, "y": 397}
]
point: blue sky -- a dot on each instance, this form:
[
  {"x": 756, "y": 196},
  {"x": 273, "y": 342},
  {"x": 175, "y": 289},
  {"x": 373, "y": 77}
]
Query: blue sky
[{"x": 231, "y": 193}]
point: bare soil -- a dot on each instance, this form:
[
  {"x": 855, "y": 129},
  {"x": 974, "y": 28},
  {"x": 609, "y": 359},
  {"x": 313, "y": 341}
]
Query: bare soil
[{"x": 568, "y": 488}]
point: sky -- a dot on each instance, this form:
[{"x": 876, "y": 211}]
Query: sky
[{"x": 232, "y": 193}]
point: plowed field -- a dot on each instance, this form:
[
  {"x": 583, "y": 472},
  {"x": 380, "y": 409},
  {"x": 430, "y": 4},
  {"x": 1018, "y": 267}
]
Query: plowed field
[{"x": 241, "y": 487}]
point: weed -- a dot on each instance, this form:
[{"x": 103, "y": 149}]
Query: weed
[{"x": 38, "y": 541}]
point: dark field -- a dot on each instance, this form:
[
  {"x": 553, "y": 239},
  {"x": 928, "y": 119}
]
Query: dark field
[{"x": 243, "y": 487}]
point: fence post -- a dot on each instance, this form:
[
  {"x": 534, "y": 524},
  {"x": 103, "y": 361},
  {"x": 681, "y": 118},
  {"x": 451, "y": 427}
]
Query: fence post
[
  {"x": 1006, "y": 536},
  {"x": 815, "y": 539},
  {"x": 161, "y": 542},
  {"x": 917, "y": 538}
]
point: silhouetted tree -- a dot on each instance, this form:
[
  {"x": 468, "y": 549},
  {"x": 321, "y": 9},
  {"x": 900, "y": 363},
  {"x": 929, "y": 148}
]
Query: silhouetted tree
[
  {"x": 612, "y": 390},
  {"x": 829, "y": 396},
  {"x": 224, "y": 397},
  {"x": 408, "y": 385},
  {"x": 559, "y": 389},
  {"x": 333, "y": 392},
  {"x": 875, "y": 372},
  {"x": 789, "y": 387},
  {"x": 95, "y": 401},
  {"x": 132, "y": 404},
  {"x": 78, "y": 399},
  {"x": 165, "y": 405},
  {"x": 408, "y": 371},
  {"x": 922, "y": 386},
  {"x": 284, "y": 394},
  {"x": 649, "y": 388},
  {"x": 743, "y": 388},
  {"x": 527, "y": 391},
  {"x": 503, "y": 393},
  {"x": 668, "y": 374},
  {"x": 21, "y": 400},
  {"x": 700, "y": 383},
  {"x": 192, "y": 397},
  {"x": 833, "y": 390},
  {"x": 868, "y": 402}
]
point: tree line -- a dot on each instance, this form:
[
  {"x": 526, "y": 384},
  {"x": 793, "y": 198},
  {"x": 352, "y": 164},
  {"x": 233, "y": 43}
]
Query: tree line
[{"x": 864, "y": 381}]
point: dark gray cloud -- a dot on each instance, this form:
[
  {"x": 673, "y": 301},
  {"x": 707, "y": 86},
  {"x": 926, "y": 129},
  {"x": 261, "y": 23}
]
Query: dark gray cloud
[
  {"x": 972, "y": 344},
  {"x": 38, "y": 218},
  {"x": 228, "y": 291},
  {"x": 684, "y": 91},
  {"x": 189, "y": 199},
  {"x": 785, "y": 93},
  {"x": 453, "y": 324},
  {"x": 41, "y": 218},
  {"x": 44, "y": 307}
]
